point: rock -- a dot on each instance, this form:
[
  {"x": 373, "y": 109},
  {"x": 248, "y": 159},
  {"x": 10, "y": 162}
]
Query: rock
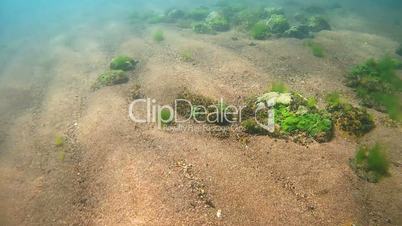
[
  {"x": 277, "y": 24},
  {"x": 202, "y": 28},
  {"x": 174, "y": 14},
  {"x": 298, "y": 31},
  {"x": 317, "y": 23},
  {"x": 217, "y": 21},
  {"x": 219, "y": 214},
  {"x": 110, "y": 78}
]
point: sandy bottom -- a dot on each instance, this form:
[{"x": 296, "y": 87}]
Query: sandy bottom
[{"x": 112, "y": 171}]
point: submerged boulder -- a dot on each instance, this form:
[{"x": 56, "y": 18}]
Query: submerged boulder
[
  {"x": 318, "y": 23},
  {"x": 110, "y": 78},
  {"x": 123, "y": 63},
  {"x": 202, "y": 28},
  {"x": 217, "y": 21},
  {"x": 293, "y": 118},
  {"x": 298, "y": 31},
  {"x": 353, "y": 120},
  {"x": 172, "y": 15},
  {"x": 277, "y": 24}
]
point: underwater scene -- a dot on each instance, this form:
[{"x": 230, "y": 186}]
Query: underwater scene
[{"x": 190, "y": 112}]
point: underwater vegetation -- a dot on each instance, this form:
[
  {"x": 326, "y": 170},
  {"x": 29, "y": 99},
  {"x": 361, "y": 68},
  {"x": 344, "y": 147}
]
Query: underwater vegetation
[
  {"x": 277, "y": 24},
  {"x": 295, "y": 117},
  {"x": 186, "y": 55},
  {"x": 202, "y": 28},
  {"x": 110, "y": 78},
  {"x": 199, "y": 13},
  {"x": 158, "y": 36},
  {"x": 59, "y": 141},
  {"x": 259, "y": 31},
  {"x": 316, "y": 48},
  {"x": 217, "y": 21},
  {"x": 261, "y": 22},
  {"x": 378, "y": 86},
  {"x": 298, "y": 31},
  {"x": 318, "y": 23},
  {"x": 353, "y": 120},
  {"x": 165, "y": 117},
  {"x": 279, "y": 87},
  {"x": 123, "y": 63},
  {"x": 371, "y": 163},
  {"x": 399, "y": 50}
]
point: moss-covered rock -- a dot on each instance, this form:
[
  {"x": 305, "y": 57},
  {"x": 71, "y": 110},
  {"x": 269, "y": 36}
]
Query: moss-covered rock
[
  {"x": 293, "y": 117},
  {"x": 251, "y": 126},
  {"x": 110, "y": 78},
  {"x": 217, "y": 21},
  {"x": 172, "y": 15},
  {"x": 202, "y": 28},
  {"x": 298, "y": 31},
  {"x": 353, "y": 120},
  {"x": 277, "y": 24},
  {"x": 318, "y": 23},
  {"x": 123, "y": 63}
]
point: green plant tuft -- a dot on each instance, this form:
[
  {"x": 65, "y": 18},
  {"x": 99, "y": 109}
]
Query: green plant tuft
[
  {"x": 59, "y": 141},
  {"x": 333, "y": 98},
  {"x": 311, "y": 102},
  {"x": 165, "y": 116},
  {"x": 259, "y": 30},
  {"x": 279, "y": 87},
  {"x": 371, "y": 163},
  {"x": 277, "y": 24},
  {"x": 186, "y": 55},
  {"x": 314, "y": 124},
  {"x": 316, "y": 48},
  {"x": 378, "y": 86},
  {"x": 159, "y": 36},
  {"x": 123, "y": 63}
]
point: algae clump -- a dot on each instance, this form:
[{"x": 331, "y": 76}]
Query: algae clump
[
  {"x": 123, "y": 63},
  {"x": 316, "y": 48},
  {"x": 217, "y": 22},
  {"x": 318, "y": 23},
  {"x": 353, "y": 120},
  {"x": 59, "y": 141},
  {"x": 259, "y": 30},
  {"x": 277, "y": 24},
  {"x": 158, "y": 36},
  {"x": 371, "y": 163},
  {"x": 110, "y": 78},
  {"x": 378, "y": 86}
]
